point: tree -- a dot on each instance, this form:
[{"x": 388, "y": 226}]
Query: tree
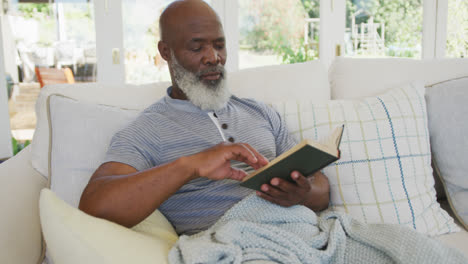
[
  {"x": 312, "y": 7},
  {"x": 457, "y": 29},
  {"x": 268, "y": 24},
  {"x": 35, "y": 11}
]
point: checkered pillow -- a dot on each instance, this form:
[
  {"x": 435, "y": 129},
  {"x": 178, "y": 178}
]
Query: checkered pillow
[{"x": 384, "y": 174}]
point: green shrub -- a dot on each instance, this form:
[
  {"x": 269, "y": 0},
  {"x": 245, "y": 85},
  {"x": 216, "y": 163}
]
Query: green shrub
[
  {"x": 301, "y": 53},
  {"x": 18, "y": 146}
]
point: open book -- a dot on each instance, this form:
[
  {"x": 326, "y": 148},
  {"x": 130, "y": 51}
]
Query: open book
[{"x": 307, "y": 157}]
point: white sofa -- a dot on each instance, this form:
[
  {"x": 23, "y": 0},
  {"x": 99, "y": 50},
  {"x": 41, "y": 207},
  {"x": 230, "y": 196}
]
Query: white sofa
[{"x": 23, "y": 176}]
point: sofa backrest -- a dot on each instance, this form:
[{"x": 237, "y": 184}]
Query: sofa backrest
[
  {"x": 354, "y": 78},
  {"x": 280, "y": 82}
]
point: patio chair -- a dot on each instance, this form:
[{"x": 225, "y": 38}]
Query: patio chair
[{"x": 47, "y": 76}]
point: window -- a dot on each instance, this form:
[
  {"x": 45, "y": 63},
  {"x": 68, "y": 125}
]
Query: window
[
  {"x": 277, "y": 31},
  {"x": 457, "y": 29},
  {"x": 383, "y": 28},
  {"x": 55, "y": 35}
]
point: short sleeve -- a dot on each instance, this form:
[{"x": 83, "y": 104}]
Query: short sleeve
[
  {"x": 128, "y": 147},
  {"x": 284, "y": 141}
]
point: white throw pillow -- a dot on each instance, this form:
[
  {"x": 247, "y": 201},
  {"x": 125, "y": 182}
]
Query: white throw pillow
[
  {"x": 75, "y": 237},
  {"x": 81, "y": 133},
  {"x": 384, "y": 174},
  {"x": 124, "y": 96}
]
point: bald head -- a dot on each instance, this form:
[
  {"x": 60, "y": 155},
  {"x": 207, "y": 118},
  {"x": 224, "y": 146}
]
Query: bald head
[
  {"x": 193, "y": 43},
  {"x": 182, "y": 14}
]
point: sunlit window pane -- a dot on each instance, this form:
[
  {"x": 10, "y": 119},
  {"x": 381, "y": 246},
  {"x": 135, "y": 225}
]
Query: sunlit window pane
[
  {"x": 277, "y": 31},
  {"x": 457, "y": 29},
  {"x": 383, "y": 28}
]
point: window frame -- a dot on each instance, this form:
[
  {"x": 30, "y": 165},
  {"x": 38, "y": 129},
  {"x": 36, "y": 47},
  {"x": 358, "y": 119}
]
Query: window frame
[
  {"x": 435, "y": 15},
  {"x": 331, "y": 43},
  {"x": 6, "y": 148}
]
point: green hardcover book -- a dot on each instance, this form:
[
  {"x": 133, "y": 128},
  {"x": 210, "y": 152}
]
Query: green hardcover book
[{"x": 307, "y": 157}]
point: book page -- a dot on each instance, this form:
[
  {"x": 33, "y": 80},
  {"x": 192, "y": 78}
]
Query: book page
[
  {"x": 332, "y": 143},
  {"x": 335, "y": 138}
]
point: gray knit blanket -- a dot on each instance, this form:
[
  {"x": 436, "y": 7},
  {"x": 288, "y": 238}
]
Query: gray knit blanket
[{"x": 257, "y": 231}]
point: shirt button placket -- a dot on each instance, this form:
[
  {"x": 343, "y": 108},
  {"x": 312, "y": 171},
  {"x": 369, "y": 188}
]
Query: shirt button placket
[{"x": 225, "y": 126}]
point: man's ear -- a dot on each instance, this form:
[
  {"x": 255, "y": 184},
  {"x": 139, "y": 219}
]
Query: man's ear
[{"x": 164, "y": 50}]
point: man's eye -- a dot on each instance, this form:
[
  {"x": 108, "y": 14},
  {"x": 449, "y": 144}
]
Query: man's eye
[
  {"x": 220, "y": 47},
  {"x": 196, "y": 49}
]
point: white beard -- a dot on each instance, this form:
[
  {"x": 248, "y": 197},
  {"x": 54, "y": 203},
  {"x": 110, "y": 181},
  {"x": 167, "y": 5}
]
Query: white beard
[{"x": 211, "y": 96}]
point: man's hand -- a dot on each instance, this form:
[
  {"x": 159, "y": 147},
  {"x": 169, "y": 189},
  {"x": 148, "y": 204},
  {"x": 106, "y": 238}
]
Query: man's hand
[
  {"x": 119, "y": 193},
  {"x": 312, "y": 191},
  {"x": 214, "y": 163}
]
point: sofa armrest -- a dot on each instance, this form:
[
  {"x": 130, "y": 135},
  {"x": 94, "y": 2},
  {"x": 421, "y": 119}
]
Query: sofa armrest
[{"x": 20, "y": 228}]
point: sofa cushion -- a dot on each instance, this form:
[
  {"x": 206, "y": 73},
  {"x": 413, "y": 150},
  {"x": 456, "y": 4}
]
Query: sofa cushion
[
  {"x": 384, "y": 174},
  {"x": 448, "y": 111},
  {"x": 457, "y": 240},
  {"x": 354, "y": 78},
  {"x": 270, "y": 83},
  {"x": 75, "y": 237}
]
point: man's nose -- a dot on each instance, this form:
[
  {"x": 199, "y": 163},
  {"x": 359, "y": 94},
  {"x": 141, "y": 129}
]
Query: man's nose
[{"x": 211, "y": 57}]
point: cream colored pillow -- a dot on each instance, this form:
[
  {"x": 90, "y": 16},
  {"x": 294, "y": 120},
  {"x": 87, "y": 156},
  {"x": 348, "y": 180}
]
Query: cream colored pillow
[
  {"x": 75, "y": 237},
  {"x": 384, "y": 174}
]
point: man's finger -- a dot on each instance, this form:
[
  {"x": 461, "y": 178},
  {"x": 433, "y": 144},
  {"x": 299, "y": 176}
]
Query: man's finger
[
  {"x": 273, "y": 199},
  {"x": 274, "y": 192},
  {"x": 262, "y": 161},
  {"x": 284, "y": 185},
  {"x": 237, "y": 175},
  {"x": 300, "y": 179},
  {"x": 241, "y": 153}
]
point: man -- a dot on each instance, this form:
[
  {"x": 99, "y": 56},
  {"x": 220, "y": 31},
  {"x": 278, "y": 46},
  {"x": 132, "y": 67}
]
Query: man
[{"x": 185, "y": 154}]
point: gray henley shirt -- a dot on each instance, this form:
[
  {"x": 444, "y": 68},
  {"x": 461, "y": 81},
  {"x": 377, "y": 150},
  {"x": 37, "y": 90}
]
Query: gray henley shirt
[{"x": 172, "y": 128}]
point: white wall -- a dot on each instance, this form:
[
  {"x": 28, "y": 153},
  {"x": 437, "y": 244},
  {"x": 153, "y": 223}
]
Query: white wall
[
  {"x": 332, "y": 29},
  {"x": 109, "y": 37},
  {"x": 9, "y": 47},
  {"x": 6, "y": 150}
]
